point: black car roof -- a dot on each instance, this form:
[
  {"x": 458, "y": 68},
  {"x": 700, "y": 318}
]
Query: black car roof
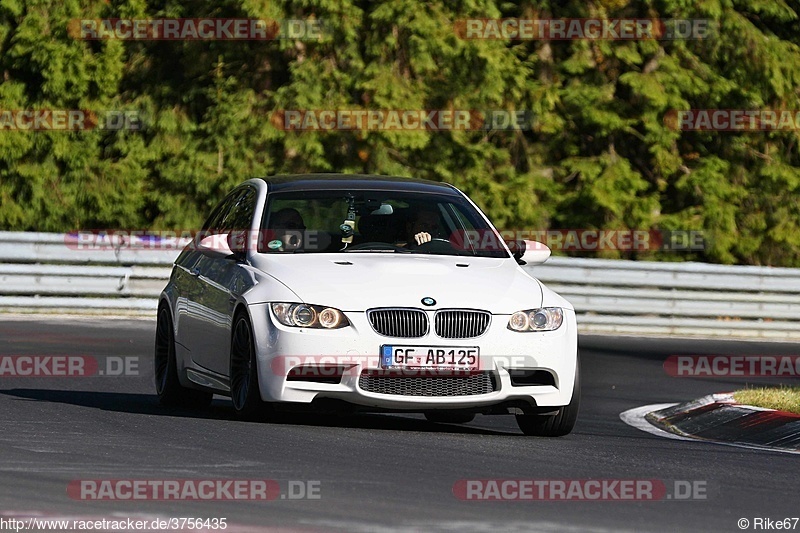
[{"x": 304, "y": 182}]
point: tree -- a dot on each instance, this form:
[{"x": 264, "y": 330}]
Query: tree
[{"x": 604, "y": 150}]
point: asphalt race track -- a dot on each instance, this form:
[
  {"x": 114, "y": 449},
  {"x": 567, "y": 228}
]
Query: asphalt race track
[{"x": 382, "y": 473}]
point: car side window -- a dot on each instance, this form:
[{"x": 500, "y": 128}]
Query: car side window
[
  {"x": 241, "y": 214},
  {"x": 215, "y": 223},
  {"x": 234, "y": 213}
]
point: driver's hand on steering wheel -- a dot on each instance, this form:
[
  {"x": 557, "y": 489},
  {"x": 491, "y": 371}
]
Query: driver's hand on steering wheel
[{"x": 422, "y": 237}]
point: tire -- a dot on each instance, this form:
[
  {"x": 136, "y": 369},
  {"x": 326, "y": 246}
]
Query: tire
[
  {"x": 555, "y": 425},
  {"x": 168, "y": 387},
  {"x": 245, "y": 393},
  {"x": 449, "y": 417}
]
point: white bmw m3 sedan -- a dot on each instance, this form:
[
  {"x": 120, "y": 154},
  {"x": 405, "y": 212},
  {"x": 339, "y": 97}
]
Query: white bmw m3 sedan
[{"x": 366, "y": 293}]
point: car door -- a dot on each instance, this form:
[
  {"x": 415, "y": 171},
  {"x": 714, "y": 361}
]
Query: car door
[
  {"x": 222, "y": 279},
  {"x": 193, "y": 318},
  {"x": 187, "y": 288}
]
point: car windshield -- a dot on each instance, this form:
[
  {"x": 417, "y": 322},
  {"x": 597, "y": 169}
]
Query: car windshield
[{"x": 376, "y": 222}]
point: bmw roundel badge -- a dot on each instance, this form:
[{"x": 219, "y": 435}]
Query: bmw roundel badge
[{"x": 428, "y": 301}]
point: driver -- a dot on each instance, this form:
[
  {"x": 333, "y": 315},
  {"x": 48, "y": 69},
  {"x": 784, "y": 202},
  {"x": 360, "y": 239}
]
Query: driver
[
  {"x": 288, "y": 227},
  {"x": 421, "y": 225}
]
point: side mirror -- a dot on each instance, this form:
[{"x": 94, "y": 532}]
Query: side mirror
[
  {"x": 237, "y": 244},
  {"x": 529, "y": 252},
  {"x": 225, "y": 244}
]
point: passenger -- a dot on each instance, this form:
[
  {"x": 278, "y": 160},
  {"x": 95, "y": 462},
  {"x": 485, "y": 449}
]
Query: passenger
[{"x": 287, "y": 230}]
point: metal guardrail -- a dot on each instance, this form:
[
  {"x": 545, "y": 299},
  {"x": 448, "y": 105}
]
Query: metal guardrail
[
  {"x": 52, "y": 272},
  {"x": 680, "y": 299},
  {"x": 45, "y": 272}
]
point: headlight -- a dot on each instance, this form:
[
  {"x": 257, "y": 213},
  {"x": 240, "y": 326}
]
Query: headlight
[
  {"x": 309, "y": 316},
  {"x": 542, "y": 319}
]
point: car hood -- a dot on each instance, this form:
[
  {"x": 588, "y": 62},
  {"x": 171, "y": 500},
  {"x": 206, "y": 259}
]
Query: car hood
[{"x": 360, "y": 281}]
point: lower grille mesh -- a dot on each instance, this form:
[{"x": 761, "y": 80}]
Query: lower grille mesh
[{"x": 480, "y": 383}]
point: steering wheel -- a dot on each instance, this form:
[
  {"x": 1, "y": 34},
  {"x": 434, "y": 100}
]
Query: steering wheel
[
  {"x": 375, "y": 245},
  {"x": 434, "y": 245}
]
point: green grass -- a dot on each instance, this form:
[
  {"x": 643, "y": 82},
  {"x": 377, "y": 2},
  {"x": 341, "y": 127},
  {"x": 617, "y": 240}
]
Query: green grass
[{"x": 780, "y": 398}]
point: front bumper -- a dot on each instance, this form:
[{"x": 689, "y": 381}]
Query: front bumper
[{"x": 280, "y": 348}]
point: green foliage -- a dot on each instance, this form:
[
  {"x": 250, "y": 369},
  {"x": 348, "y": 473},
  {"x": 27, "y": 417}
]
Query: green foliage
[{"x": 602, "y": 152}]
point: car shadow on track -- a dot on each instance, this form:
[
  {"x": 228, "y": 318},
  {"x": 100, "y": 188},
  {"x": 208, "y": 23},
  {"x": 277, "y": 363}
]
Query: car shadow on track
[{"x": 220, "y": 409}]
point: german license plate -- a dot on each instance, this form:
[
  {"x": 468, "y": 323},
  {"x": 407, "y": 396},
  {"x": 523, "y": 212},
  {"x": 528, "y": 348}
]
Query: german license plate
[{"x": 434, "y": 357}]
